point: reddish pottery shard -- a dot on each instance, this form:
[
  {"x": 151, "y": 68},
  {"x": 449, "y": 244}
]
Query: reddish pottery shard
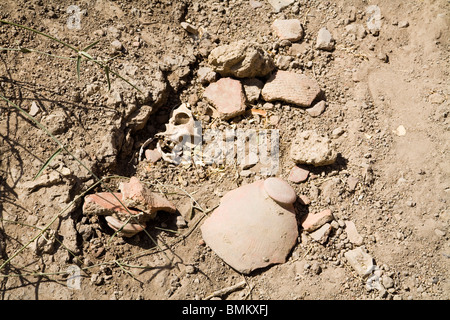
[{"x": 254, "y": 226}]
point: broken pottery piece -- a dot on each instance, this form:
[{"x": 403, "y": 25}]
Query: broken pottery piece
[
  {"x": 254, "y": 226},
  {"x": 142, "y": 204}
]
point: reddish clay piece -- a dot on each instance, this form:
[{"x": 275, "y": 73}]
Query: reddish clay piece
[
  {"x": 250, "y": 230},
  {"x": 140, "y": 201}
]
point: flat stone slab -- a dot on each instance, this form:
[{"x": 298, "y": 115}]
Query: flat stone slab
[
  {"x": 291, "y": 87},
  {"x": 227, "y": 96}
]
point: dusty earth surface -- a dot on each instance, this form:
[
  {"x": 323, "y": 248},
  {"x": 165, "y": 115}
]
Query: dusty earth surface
[{"x": 386, "y": 111}]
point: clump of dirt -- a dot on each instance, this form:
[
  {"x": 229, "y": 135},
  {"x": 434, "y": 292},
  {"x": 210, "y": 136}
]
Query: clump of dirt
[{"x": 387, "y": 189}]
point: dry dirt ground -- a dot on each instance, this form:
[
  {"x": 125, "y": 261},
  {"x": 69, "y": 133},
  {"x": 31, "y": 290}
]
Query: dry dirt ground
[{"x": 372, "y": 83}]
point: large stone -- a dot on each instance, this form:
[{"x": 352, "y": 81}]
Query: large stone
[
  {"x": 291, "y": 87},
  {"x": 288, "y": 29},
  {"x": 241, "y": 59},
  {"x": 227, "y": 96},
  {"x": 309, "y": 147}
]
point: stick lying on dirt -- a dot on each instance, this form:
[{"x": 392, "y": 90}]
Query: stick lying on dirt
[{"x": 227, "y": 290}]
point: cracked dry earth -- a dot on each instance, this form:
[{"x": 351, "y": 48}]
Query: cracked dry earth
[{"x": 386, "y": 113}]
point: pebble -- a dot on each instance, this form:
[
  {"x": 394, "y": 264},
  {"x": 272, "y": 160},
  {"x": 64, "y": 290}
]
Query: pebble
[
  {"x": 189, "y": 27},
  {"x": 34, "y": 109},
  {"x": 387, "y": 281},
  {"x": 252, "y": 88},
  {"x": 352, "y": 233},
  {"x": 206, "y": 75},
  {"x": 321, "y": 235},
  {"x": 403, "y": 24},
  {"x": 289, "y": 29},
  {"x": 298, "y": 175},
  {"x": 181, "y": 223},
  {"x": 116, "y": 45},
  {"x": 352, "y": 182},
  {"x": 317, "y": 109},
  {"x": 324, "y": 40},
  {"x": 337, "y": 132}
]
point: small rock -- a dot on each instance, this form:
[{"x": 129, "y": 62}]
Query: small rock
[
  {"x": 337, "y": 132},
  {"x": 403, "y": 24},
  {"x": 388, "y": 282},
  {"x": 352, "y": 182},
  {"x": 283, "y": 62},
  {"x": 400, "y": 131},
  {"x": 308, "y": 147},
  {"x": 190, "y": 269},
  {"x": 298, "y": 175},
  {"x": 316, "y": 268},
  {"x": 34, "y": 109},
  {"x": 312, "y": 222},
  {"x": 189, "y": 27},
  {"x": 304, "y": 200},
  {"x": 181, "y": 223},
  {"x": 289, "y": 29},
  {"x": 321, "y": 235},
  {"x": 206, "y": 75},
  {"x": 357, "y": 30},
  {"x": 139, "y": 118},
  {"x": 291, "y": 87},
  {"x": 252, "y": 88},
  {"x": 116, "y": 45},
  {"x": 352, "y": 233},
  {"x": 227, "y": 96},
  {"x": 324, "y": 40},
  {"x": 435, "y": 98},
  {"x": 360, "y": 260},
  {"x": 317, "y": 109}
]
